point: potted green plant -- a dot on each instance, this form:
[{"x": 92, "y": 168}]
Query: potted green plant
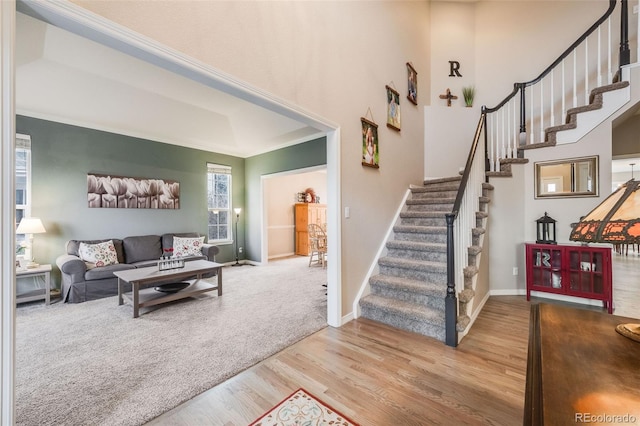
[{"x": 468, "y": 93}]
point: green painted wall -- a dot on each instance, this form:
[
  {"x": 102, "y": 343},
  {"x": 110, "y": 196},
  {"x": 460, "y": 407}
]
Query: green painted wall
[
  {"x": 62, "y": 155},
  {"x": 308, "y": 154}
]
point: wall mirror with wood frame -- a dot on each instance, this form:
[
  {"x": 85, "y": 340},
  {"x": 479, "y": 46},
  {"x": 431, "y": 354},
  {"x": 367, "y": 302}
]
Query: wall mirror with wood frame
[{"x": 573, "y": 177}]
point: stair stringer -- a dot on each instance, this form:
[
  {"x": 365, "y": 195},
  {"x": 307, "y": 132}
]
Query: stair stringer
[
  {"x": 365, "y": 288},
  {"x": 586, "y": 121},
  {"x": 467, "y": 310}
]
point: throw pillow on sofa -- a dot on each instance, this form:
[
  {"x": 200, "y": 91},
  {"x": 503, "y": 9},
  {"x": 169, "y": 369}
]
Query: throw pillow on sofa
[
  {"x": 184, "y": 247},
  {"x": 100, "y": 254}
]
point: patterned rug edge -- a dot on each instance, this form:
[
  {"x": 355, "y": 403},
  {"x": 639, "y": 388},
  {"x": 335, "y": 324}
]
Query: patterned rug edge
[{"x": 286, "y": 412}]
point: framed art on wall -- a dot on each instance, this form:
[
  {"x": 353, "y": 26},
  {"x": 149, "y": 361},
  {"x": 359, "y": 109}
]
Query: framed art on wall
[
  {"x": 393, "y": 108},
  {"x": 119, "y": 192},
  {"x": 412, "y": 83},
  {"x": 370, "y": 154}
]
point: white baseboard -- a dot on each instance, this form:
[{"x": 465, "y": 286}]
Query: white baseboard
[
  {"x": 474, "y": 316},
  {"x": 508, "y": 292},
  {"x": 347, "y": 318}
]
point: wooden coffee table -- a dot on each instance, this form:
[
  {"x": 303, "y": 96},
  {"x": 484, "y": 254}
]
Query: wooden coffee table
[{"x": 141, "y": 298}]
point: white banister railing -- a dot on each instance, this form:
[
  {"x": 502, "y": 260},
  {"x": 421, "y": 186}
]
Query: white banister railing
[
  {"x": 466, "y": 220},
  {"x": 587, "y": 66}
]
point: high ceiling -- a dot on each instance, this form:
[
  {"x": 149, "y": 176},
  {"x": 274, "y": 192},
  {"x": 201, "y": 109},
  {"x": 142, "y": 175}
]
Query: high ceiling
[{"x": 67, "y": 78}]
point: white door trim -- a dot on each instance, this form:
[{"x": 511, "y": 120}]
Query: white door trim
[{"x": 8, "y": 206}]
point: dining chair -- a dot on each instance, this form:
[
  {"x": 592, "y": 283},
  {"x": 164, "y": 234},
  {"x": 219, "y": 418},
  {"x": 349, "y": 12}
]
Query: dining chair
[{"x": 317, "y": 244}]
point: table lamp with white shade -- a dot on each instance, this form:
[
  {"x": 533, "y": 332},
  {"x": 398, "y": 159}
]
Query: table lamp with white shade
[{"x": 30, "y": 226}]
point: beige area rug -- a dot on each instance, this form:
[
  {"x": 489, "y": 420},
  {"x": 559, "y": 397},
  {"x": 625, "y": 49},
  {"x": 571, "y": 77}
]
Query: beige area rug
[
  {"x": 302, "y": 408},
  {"x": 92, "y": 363}
]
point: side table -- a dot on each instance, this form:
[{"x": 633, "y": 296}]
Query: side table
[{"x": 40, "y": 271}]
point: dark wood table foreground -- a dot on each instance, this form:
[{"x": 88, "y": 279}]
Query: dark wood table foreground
[{"x": 579, "y": 369}]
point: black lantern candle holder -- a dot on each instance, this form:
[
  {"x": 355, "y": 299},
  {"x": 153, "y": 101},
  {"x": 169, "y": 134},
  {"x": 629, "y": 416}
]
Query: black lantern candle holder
[{"x": 546, "y": 230}]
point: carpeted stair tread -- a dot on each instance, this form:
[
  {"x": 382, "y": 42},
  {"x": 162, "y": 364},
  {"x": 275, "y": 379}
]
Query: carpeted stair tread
[
  {"x": 434, "y": 317},
  {"x": 514, "y": 160},
  {"x": 462, "y": 322},
  {"x": 437, "y": 181},
  {"x": 487, "y": 186},
  {"x": 403, "y": 315},
  {"x": 430, "y": 195},
  {"x": 435, "y": 188},
  {"x": 474, "y": 250},
  {"x": 466, "y": 295},
  {"x": 416, "y": 229},
  {"x": 423, "y": 214},
  {"x": 417, "y": 245},
  {"x": 408, "y": 284},
  {"x": 478, "y": 231},
  {"x": 470, "y": 271},
  {"x": 428, "y": 200},
  {"x": 610, "y": 87},
  {"x": 416, "y": 265}
]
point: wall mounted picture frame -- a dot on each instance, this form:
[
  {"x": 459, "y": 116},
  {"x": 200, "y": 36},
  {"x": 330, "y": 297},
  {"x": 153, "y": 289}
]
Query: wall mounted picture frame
[
  {"x": 120, "y": 192},
  {"x": 412, "y": 83},
  {"x": 393, "y": 108},
  {"x": 370, "y": 152}
]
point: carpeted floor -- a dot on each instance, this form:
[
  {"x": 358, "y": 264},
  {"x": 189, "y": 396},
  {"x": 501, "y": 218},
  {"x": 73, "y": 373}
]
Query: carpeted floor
[{"x": 93, "y": 364}]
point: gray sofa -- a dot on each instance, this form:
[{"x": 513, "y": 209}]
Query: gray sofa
[{"x": 80, "y": 284}]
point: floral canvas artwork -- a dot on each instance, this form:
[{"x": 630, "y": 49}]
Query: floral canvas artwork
[{"x": 105, "y": 191}]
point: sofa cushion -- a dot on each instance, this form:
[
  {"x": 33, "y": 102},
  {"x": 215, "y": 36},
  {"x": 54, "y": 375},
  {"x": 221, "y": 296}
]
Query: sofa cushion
[
  {"x": 185, "y": 247},
  {"x": 144, "y": 247},
  {"x": 167, "y": 239},
  {"x": 106, "y": 271},
  {"x": 99, "y": 254},
  {"x": 73, "y": 247}
]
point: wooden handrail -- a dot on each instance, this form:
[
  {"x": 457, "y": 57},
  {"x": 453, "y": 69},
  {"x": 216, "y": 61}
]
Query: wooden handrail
[{"x": 467, "y": 167}]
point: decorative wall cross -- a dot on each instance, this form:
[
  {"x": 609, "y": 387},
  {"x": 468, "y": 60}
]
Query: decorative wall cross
[{"x": 448, "y": 96}]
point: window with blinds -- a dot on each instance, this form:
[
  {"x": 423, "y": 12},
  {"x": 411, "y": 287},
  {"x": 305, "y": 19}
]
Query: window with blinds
[
  {"x": 219, "y": 202},
  {"x": 22, "y": 184}
]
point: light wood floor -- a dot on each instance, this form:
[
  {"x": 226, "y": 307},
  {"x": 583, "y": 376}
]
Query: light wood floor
[{"x": 378, "y": 375}]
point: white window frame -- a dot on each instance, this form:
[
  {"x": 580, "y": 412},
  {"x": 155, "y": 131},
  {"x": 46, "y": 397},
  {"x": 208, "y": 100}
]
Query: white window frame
[
  {"x": 221, "y": 169},
  {"x": 23, "y": 142}
]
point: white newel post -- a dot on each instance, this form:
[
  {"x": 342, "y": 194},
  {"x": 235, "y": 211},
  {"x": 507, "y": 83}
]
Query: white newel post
[{"x": 7, "y": 214}]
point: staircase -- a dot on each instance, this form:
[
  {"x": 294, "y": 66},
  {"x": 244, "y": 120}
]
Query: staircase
[{"x": 410, "y": 289}]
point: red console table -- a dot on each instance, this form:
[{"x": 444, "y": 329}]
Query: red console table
[{"x": 572, "y": 270}]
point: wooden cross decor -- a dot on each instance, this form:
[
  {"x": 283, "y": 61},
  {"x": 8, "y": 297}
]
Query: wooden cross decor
[{"x": 448, "y": 96}]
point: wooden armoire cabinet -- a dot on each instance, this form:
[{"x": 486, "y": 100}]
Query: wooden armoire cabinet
[{"x": 306, "y": 213}]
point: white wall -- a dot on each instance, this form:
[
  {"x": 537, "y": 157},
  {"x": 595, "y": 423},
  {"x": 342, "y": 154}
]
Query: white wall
[
  {"x": 331, "y": 58},
  {"x": 453, "y": 39},
  {"x": 447, "y": 146}
]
